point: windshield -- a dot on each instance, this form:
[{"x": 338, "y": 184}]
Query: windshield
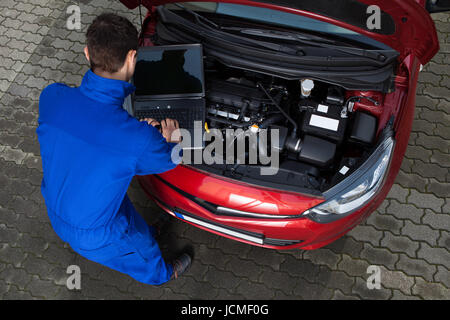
[{"x": 278, "y": 18}]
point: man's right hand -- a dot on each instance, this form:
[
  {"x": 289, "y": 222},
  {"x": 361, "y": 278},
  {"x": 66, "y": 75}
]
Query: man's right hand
[
  {"x": 151, "y": 122},
  {"x": 170, "y": 130}
]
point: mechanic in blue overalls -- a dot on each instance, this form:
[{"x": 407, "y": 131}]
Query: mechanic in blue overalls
[{"x": 91, "y": 149}]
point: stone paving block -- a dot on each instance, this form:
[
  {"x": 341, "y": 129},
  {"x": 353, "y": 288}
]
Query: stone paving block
[
  {"x": 9, "y": 234},
  {"x": 41, "y": 289},
  {"x": 442, "y": 130},
  {"x": 398, "y": 193},
  {"x": 145, "y": 292},
  {"x": 432, "y": 142},
  {"x": 353, "y": 267},
  {"x": 436, "y": 220},
  {"x": 396, "y": 280},
  {"x": 223, "y": 279},
  {"x": 15, "y": 293},
  {"x": 426, "y": 201},
  {"x": 442, "y": 276},
  {"x": 379, "y": 256},
  {"x": 381, "y": 222},
  {"x": 439, "y": 189},
  {"x": 434, "y": 255},
  {"x": 420, "y": 233},
  {"x": 322, "y": 256},
  {"x": 312, "y": 291},
  {"x": 303, "y": 268},
  {"x": 18, "y": 277},
  {"x": 57, "y": 254},
  {"x": 444, "y": 240},
  {"x": 170, "y": 295},
  {"x": 416, "y": 267},
  {"x": 278, "y": 280},
  {"x": 280, "y": 295},
  {"x": 398, "y": 295},
  {"x": 430, "y": 170},
  {"x": 419, "y": 152},
  {"x": 13, "y": 256},
  {"x": 245, "y": 268},
  {"x": 409, "y": 180},
  {"x": 399, "y": 244},
  {"x": 430, "y": 290},
  {"x": 405, "y": 211},
  {"x": 194, "y": 289},
  {"x": 92, "y": 288},
  {"x": 338, "y": 295},
  {"x": 209, "y": 256},
  {"x": 330, "y": 278},
  {"x": 346, "y": 245},
  {"x": 33, "y": 245},
  {"x": 266, "y": 257},
  {"x": 367, "y": 233},
  {"x": 440, "y": 158},
  {"x": 254, "y": 291}
]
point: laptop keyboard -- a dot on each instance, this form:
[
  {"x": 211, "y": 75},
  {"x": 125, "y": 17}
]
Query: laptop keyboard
[{"x": 185, "y": 117}]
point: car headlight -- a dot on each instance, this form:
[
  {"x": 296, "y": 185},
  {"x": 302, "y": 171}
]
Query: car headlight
[{"x": 356, "y": 190}]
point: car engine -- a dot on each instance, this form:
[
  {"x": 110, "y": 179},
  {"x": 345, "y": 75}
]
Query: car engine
[{"x": 320, "y": 137}]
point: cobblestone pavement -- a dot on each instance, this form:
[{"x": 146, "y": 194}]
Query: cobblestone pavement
[{"x": 408, "y": 237}]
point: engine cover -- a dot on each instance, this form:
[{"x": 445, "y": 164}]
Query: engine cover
[{"x": 234, "y": 94}]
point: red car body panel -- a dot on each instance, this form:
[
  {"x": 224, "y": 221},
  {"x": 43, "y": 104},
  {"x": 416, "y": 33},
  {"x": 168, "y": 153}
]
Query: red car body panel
[{"x": 417, "y": 43}]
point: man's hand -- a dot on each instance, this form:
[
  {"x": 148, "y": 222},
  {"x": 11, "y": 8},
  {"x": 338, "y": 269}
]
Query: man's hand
[
  {"x": 151, "y": 122},
  {"x": 170, "y": 130}
]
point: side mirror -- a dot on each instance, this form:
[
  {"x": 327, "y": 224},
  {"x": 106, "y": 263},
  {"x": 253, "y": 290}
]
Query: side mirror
[{"x": 433, "y": 6}]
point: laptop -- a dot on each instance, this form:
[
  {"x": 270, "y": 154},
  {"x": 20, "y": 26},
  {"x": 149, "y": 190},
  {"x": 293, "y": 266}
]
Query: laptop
[{"x": 170, "y": 83}]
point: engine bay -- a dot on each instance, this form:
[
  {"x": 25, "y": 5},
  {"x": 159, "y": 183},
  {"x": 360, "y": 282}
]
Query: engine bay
[{"x": 322, "y": 138}]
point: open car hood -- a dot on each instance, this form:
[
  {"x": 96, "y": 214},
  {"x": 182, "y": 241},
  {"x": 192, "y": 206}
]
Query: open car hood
[{"x": 405, "y": 25}]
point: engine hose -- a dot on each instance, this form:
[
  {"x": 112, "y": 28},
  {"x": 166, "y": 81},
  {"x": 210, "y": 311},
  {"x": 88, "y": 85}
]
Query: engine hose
[
  {"x": 271, "y": 120},
  {"x": 243, "y": 110},
  {"x": 294, "y": 131}
]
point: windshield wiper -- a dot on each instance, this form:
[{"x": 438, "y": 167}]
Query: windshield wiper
[
  {"x": 244, "y": 40},
  {"x": 310, "y": 40},
  {"x": 277, "y": 34}
]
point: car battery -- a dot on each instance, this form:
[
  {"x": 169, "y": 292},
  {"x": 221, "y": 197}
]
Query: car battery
[{"x": 324, "y": 121}]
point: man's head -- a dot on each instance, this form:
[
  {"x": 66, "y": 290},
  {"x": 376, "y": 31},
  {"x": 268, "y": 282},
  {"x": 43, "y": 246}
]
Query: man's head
[{"x": 112, "y": 42}]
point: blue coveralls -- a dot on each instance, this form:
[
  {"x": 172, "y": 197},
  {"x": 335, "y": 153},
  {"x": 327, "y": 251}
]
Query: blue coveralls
[{"x": 91, "y": 149}]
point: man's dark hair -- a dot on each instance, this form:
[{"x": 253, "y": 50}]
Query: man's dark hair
[{"x": 109, "y": 38}]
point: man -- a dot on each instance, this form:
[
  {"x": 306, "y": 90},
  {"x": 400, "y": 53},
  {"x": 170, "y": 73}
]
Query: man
[{"x": 91, "y": 149}]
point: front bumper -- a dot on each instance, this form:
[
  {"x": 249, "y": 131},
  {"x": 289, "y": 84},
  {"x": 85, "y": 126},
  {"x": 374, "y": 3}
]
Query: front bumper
[{"x": 285, "y": 233}]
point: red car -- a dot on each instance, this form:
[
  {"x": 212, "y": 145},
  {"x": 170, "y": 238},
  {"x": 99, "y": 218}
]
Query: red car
[{"x": 337, "y": 78}]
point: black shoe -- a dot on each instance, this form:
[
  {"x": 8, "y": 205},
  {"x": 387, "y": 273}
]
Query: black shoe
[{"x": 180, "y": 265}]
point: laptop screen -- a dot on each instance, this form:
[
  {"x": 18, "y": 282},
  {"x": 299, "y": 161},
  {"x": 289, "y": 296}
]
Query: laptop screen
[{"x": 169, "y": 71}]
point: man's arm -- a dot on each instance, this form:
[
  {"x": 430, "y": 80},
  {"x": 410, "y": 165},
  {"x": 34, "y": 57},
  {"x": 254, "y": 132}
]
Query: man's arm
[{"x": 157, "y": 156}]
